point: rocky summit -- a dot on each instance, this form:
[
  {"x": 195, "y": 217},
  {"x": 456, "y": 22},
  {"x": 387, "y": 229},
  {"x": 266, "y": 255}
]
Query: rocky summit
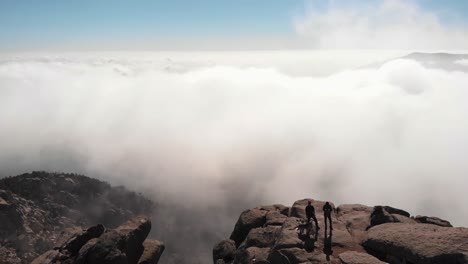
[
  {"x": 278, "y": 234},
  {"x": 40, "y": 211}
]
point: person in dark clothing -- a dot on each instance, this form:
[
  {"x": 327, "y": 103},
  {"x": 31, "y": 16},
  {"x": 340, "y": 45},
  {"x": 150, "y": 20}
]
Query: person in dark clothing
[
  {"x": 310, "y": 213},
  {"x": 327, "y": 209}
]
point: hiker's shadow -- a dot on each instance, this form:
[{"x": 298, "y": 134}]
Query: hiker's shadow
[
  {"x": 304, "y": 233},
  {"x": 327, "y": 245}
]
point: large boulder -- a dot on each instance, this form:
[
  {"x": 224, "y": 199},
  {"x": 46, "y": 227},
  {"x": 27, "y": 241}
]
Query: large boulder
[
  {"x": 419, "y": 243},
  {"x": 262, "y": 236},
  {"x": 381, "y": 216},
  {"x": 135, "y": 231},
  {"x": 387, "y": 214},
  {"x": 356, "y": 218},
  {"x": 74, "y": 244},
  {"x": 122, "y": 244},
  {"x": 126, "y": 244},
  {"x": 224, "y": 250},
  {"x": 288, "y": 235},
  {"x": 247, "y": 220},
  {"x": 110, "y": 248},
  {"x": 393, "y": 210},
  {"x": 153, "y": 250},
  {"x": 275, "y": 218}
]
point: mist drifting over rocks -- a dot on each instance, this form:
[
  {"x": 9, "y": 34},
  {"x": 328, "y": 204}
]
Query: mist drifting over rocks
[{"x": 207, "y": 135}]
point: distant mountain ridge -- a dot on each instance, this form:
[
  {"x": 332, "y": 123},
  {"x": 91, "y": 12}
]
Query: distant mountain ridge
[{"x": 441, "y": 60}]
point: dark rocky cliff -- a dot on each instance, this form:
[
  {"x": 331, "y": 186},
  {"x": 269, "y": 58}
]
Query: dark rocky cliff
[{"x": 40, "y": 211}]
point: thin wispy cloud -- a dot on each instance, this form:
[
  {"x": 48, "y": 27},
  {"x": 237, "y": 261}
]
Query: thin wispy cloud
[{"x": 390, "y": 24}]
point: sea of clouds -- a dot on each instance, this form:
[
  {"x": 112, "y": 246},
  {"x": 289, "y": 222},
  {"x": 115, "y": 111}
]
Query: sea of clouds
[{"x": 210, "y": 134}]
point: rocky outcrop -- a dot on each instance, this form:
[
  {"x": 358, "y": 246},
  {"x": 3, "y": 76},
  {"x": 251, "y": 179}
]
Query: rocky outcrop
[
  {"x": 361, "y": 235},
  {"x": 126, "y": 244},
  {"x": 40, "y": 210}
]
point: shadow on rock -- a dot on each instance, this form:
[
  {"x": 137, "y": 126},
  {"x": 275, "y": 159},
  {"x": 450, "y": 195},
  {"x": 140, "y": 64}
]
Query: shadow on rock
[
  {"x": 327, "y": 245},
  {"x": 304, "y": 232}
]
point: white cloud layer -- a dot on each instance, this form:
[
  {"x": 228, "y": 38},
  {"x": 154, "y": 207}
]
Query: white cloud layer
[
  {"x": 393, "y": 135},
  {"x": 463, "y": 62},
  {"x": 390, "y": 24}
]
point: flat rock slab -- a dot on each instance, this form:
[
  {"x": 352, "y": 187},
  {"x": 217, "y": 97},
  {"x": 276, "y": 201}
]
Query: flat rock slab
[
  {"x": 353, "y": 257},
  {"x": 275, "y": 218},
  {"x": 419, "y": 243}
]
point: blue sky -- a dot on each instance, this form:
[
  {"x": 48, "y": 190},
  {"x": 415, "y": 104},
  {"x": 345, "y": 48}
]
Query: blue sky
[{"x": 29, "y": 24}]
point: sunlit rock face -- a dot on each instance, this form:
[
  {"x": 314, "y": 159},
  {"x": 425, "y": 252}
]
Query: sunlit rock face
[
  {"x": 41, "y": 210},
  {"x": 359, "y": 234}
]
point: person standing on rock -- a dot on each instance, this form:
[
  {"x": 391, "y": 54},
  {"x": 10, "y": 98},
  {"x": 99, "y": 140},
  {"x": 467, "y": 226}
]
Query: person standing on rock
[
  {"x": 310, "y": 213},
  {"x": 327, "y": 209}
]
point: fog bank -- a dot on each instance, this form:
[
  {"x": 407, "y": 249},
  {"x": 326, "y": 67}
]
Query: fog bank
[{"x": 214, "y": 135}]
